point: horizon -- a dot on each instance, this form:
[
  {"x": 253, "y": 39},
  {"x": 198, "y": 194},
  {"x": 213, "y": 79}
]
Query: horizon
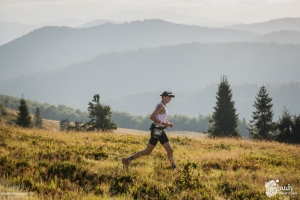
[
  {"x": 213, "y": 12},
  {"x": 239, "y": 52}
]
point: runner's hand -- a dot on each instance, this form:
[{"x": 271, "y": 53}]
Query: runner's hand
[
  {"x": 168, "y": 124},
  {"x": 159, "y": 125}
]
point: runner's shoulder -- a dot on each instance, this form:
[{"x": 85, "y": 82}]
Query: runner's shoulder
[{"x": 160, "y": 106}]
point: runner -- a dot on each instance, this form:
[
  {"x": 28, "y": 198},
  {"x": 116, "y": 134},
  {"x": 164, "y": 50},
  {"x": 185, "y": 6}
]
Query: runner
[{"x": 160, "y": 122}]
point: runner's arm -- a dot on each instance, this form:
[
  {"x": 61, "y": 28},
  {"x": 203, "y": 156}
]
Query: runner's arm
[{"x": 159, "y": 109}]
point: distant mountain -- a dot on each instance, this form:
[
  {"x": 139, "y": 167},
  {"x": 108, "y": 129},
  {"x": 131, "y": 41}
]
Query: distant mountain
[
  {"x": 269, "y": 26},
  {"x": 10, "y": 31},
  {"x": 98, "y": 22},
  {"x": 69, "y": 22},
  {"x": 167, "y": 16},
  {"x": 178, "y": 68},
  {"x": 51, "y": 48},
  {"x": 283, "y": 37}
]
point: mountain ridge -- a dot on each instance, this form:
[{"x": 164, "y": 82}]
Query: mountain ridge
[
  {"x": 274, "y": 25},
  {"x": 51, "y": 48},
  {"x": 186, "y": 67},
  {"x": 281, "y": 37}
]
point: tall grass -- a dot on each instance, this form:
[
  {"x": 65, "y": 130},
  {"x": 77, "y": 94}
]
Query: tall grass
[{"x": 87, "y": 166}]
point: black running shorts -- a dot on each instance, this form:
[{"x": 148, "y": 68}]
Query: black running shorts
[{"x": 162, "y": 139}]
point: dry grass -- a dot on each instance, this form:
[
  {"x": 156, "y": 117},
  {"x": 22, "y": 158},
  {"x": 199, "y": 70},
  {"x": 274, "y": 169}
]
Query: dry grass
[
  {"x": 170, "y": 132},
  {"x": 48, "y": 124},
  {"x": 87, "y": 166}
]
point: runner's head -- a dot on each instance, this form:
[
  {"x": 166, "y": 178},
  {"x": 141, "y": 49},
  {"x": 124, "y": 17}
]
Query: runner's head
[{"x": 167, "y": 96}]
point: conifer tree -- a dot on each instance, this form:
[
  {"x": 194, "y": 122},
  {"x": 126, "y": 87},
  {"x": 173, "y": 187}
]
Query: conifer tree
[
  {"x": 100, "y": 116},
  {"x": 23, "y": 119},
  {"x": 288, "y": 128},
  {"x": 296, "y": 129},
  {"x": 2, "y": 109},
  {"x": 224, "y": 119},
  {"x": 6, "y": 102},
  {"x": 38, "y": 121},
  {"x": 261, "y": 126},
  {"x": 64, "y": 124}
]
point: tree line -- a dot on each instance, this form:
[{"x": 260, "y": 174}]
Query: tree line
[
  {"x": 69, "y": 116},
  {"x": 181, "y": 123},
  {"x": 100, "y": 117},
  {"x": 224, "y": 120}
]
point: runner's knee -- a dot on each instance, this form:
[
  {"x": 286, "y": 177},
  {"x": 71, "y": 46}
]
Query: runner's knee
[
  {"x": 170, "y": 152},
  {"x": 147, "y": 152}
]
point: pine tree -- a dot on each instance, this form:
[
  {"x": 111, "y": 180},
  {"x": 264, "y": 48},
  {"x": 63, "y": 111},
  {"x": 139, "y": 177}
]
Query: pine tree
[
  {"x": 78, "y": 126},
  {"x": 296, "y": 129},
  {"x": 64, "y": 124},
  {"x": 224, "y": 119},
  {"x": 261, "y": 126},
  {"x": 100, "y": 116},
  {"x": 288, "y": 128},
  {"x": 38, "y": 121},
  {"x": 23, "y": 119},
  {"x": 6, "y": 102},
  {"x": 3, "y": 111}
]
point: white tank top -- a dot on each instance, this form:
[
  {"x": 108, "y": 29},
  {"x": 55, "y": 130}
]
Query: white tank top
[{"x": 162, "y": 117}]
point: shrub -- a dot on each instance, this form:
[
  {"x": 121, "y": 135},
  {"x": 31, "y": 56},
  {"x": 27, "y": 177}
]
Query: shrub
[
  {"x": 121, "y": 185},
  {"x": 61, "y": 170}
]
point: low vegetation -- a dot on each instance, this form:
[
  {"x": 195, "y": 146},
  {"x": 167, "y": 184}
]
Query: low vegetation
[
  {"x": 78, "y": 165},
  {"x": 122, "y": 119}
]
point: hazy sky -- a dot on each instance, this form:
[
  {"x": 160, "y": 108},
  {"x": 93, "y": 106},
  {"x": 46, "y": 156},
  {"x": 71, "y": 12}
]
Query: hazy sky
[{"x": 246, "y": 11}]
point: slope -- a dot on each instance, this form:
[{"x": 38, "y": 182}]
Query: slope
[
  {"x": 51, "y": 48},
  {"x": 88, "y": 166},
  {"x": 180, "y": 68},
  {"x": 274, "y": 25},
  {"x": 48, "y": 124},
  {"x": 282, "y": 37}
]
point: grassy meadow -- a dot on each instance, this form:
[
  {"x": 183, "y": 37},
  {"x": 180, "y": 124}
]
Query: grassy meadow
[{"x": 79, "y": 165}]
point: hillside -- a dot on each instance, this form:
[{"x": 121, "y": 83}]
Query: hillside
[
  {"x": 54, "y": 127},
  {"x": 201, "y": 101},
  {"x": 50, "y": 48},
  {"x": 48, "y": 124},
  {"x": 269, "y": 26},
  {"x": 10, "y": 31},
  {"x": 97, "y": 22},
  {"x": 88, "y": 166},
  {"x": 185, "y": 67},
  {"x": 166, "y": 16},
  {"x": 282, "y": 37}
]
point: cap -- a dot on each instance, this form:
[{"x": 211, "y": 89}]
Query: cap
[{"x": 167, "y": 93}]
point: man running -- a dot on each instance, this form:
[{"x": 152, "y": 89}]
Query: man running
[{"x": 159, "y": 117}]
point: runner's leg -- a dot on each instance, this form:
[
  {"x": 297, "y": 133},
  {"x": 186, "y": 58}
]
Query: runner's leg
[
  {"x": 169, "y": 151},
  {"x": 144, "y": 152}
]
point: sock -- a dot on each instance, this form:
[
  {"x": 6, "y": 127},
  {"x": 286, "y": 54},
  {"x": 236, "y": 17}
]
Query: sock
[{"x": 130, "y": 158}]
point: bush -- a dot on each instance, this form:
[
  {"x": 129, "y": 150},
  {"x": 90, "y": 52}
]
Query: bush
[
  {"x": 121, "y": 185},
  {"x": 149, "y": 191},
  {"x": 2, "y": 110},
  {"x": 61, "y": 170}
]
